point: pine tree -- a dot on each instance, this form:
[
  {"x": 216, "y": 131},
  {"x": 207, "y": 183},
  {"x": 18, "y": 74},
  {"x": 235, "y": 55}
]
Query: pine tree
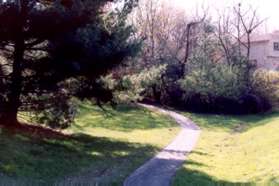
[{"x": 49, "y": 43}]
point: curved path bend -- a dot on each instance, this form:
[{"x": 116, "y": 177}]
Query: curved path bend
[{"x": 160, "y": 169}]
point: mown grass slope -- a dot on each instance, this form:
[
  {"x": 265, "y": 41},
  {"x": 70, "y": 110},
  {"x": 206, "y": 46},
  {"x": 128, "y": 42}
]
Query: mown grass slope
[
  {"x": 106, "y": 145},
  {"x": 233, "y": 150}
]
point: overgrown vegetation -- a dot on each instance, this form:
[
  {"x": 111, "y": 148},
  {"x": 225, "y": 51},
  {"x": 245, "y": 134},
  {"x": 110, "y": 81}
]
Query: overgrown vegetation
[{"x": 206, "y": 64}]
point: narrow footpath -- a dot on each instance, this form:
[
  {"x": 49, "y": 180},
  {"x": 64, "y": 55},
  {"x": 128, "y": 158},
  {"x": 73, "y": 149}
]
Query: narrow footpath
[{"x": 160, "y": 170}]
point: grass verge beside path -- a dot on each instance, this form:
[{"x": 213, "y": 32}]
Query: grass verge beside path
[
  {"x": 233, "y": 150},
  {"x": 109, "y": 145}
]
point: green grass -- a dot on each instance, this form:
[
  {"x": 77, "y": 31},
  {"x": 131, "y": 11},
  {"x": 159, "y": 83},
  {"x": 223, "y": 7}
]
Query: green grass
[
  {"x": 110, "y": 145},
  {"x": 233, "y": 150}
]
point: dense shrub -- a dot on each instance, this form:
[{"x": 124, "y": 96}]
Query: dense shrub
[
  {"x": 136, "y": 86},
  {"x": 55, "y": 110},
  {"x": 219, "y": 88},
  {"x": 211, "y": 86},
  {"x": 266, "y": 84},
  {"x": 214, "y": 80}
]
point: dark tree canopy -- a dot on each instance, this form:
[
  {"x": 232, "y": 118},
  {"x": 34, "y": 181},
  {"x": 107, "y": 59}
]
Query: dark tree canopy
[{"x": 54, "y": 50}]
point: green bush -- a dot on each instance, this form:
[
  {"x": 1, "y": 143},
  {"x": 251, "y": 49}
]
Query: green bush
[
  {"x": 215, "y": 80},
  {"x": 133, "y": 87},
  {"x": 212, "y": 79},
  {"x": 57, "y": 111},
  {"x": 216, "y": 86},
  {"x": 219, "y": 87},
  {"x": 266, "y": 84}
]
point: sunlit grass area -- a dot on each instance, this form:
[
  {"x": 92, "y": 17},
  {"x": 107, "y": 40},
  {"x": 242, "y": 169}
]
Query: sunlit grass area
[
  {"x": 106, "y": 146},
  {"x": 233, "y": 150}
]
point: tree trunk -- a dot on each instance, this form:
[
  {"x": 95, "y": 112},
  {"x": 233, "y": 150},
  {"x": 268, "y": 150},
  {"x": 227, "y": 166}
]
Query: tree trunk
[
  {"x": 9, "y": 117},
  {"x": 188, "y": 29}
]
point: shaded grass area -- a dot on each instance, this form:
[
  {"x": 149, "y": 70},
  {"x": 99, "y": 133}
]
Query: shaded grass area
[
  {"x": 230, "y": 122},
  {"x": 233, "y": 150},
  {"x": 106, "y": 153}
]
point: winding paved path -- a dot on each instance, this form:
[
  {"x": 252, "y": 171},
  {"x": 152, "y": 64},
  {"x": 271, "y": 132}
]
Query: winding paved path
[{"x": 159, "y": 170}]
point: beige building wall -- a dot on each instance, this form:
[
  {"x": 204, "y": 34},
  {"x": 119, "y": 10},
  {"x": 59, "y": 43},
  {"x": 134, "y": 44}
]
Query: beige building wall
[
  {"x": 259, "y": 52},
  {"x": 262, "y": 51}
]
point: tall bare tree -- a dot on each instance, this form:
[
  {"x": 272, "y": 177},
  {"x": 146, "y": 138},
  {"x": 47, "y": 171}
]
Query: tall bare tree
[
  {"x": 234, "y": 29},
  {"x": 248, "y": 21}
]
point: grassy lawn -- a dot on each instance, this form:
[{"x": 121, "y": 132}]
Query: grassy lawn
[
  {"x": 107, "y": 146},
  {"x": 232, "y": 150}
]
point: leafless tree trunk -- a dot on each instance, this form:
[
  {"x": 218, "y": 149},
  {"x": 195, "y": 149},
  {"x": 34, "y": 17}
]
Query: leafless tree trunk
[
  {"x": 249, "y": 22},
  {"x": 189, "y": 27},
  {"x": 234, "y": 30}
]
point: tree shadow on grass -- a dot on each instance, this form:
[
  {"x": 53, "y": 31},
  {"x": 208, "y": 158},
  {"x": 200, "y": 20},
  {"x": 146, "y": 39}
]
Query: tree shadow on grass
[
  {"x": 26, "y": 161},
  {"x": 200, "y": 153},
  {"x": 232, "y": 121},
  {"x": 191, "y": 177}
]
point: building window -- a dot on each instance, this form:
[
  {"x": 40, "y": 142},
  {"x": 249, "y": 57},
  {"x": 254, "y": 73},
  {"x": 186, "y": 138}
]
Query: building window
[{"x": 276, "y": 46}]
